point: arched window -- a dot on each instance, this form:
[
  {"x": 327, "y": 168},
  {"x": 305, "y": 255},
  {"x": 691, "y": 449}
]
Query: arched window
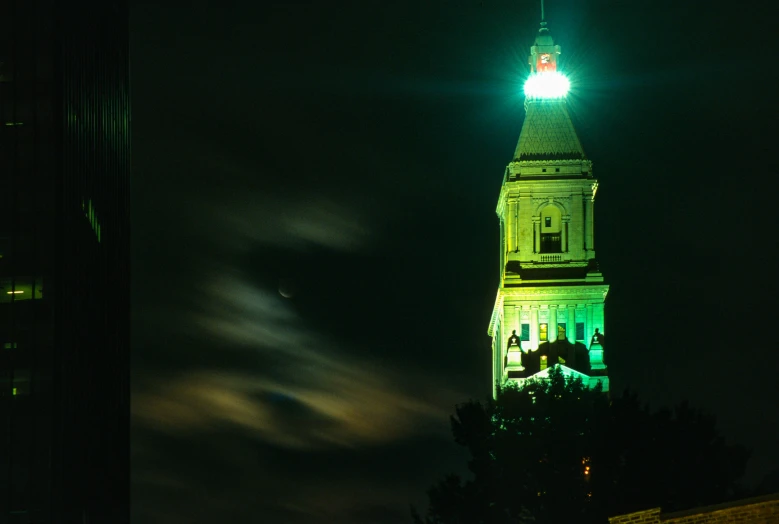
[{"x": 551, "y": 228}]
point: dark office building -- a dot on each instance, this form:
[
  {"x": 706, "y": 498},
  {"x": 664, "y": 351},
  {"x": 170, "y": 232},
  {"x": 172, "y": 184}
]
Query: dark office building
[{"x": 64, "y": 261}]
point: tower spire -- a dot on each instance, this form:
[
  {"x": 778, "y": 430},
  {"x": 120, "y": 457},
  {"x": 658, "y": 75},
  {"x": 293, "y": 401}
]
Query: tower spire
[{"x": 543, "y": 18}]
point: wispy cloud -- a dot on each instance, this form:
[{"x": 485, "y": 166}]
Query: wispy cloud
[
  {"x": 343, "y": 400},
  {"x": 307, "y": 221},
  {"x": 265, "y": 379}
]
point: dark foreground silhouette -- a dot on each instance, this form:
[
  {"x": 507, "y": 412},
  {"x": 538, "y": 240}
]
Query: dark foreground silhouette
[{"x": 552, "y": 451}]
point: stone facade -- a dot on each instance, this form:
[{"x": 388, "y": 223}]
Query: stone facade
[{"x": 759, "y": 510}]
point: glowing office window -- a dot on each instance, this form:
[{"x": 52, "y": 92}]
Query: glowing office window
[
  {"x": 543, "y": 332},
  {"x": 21, "y": 288},
  {"x": 21, "y": 382}
]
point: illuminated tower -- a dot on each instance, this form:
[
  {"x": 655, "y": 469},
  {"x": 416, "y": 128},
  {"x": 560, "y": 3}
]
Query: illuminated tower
[{"x": 551, "y": 292}]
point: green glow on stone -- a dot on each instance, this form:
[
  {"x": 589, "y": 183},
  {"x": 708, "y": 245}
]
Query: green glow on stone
[
  {"x": 89, "y": 212},
  {"x": 549, "y": 84}
]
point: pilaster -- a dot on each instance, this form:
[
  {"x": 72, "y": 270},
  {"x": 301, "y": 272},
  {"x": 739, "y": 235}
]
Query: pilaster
[
  {"x": 571, "y": 326},
  {"x": 589, "y": 329},
  {"x": 588, "y": 227},
  {"x": 536, "y": 234},
  {"x": 576, "y": 231},
  {"x": 525, "y": 226},
  {"x": 511, "y": 225}
]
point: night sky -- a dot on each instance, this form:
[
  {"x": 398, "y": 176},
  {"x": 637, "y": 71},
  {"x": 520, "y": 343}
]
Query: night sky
[{"x": 349, "y": 155}]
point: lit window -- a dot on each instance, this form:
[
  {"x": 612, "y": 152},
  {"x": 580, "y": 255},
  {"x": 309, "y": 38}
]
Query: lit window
[
  {"x": 16, "y": 387},
  {"x": 9, "y": 345},
  {"x": 586, "y": 470},
  {"x": 21, "y": 382},
  {"x": 543, "y": 332},
  {"x": 561, "y": 330},
  {"x": 20, "y": 288}
]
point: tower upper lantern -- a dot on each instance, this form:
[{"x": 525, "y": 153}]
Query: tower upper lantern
[
  {"x": 545, "y": 81},
  {"x": 543, "y": 52}
]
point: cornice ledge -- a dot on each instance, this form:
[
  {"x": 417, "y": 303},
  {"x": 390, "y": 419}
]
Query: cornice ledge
[{"x": 597, "y": 290}]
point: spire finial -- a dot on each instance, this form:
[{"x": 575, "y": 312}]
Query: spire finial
[{"x": 543, "y": 18}]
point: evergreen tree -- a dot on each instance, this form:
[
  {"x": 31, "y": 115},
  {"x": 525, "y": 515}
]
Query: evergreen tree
[{"x": 556, "y": 451}]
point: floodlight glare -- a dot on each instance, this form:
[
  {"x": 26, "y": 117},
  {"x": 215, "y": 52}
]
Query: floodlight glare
[{"x": 549, "y": 84}]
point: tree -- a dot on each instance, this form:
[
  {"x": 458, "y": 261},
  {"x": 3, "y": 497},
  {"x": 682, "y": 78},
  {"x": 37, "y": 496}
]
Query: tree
[{"x": 553, "y": 450}]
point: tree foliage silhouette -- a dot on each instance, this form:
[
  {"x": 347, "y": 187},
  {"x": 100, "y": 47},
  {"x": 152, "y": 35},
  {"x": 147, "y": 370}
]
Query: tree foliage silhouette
[{"x": 553, "y": 450}]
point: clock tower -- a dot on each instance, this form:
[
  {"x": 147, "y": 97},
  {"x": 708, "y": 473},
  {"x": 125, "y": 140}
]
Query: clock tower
[{"x": 549, "y": 308}]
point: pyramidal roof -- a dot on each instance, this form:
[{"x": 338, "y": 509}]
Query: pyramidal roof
[{"x": 548, "y": 133}]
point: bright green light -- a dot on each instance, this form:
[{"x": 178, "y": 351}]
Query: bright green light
[{"x": 550, "y": 84}]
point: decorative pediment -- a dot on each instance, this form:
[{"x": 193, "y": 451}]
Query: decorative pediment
[{"x": 567, "y": 372}]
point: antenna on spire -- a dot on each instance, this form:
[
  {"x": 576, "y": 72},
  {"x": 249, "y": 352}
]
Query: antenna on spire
[{"x": 543, "y": 21}]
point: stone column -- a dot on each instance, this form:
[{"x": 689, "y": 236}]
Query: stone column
[
  {"x": 497, "y": 375},
  {"x": 571, "y": 326},
  {"x": 597, "y": 321},
  {"x": 533, "y": 327},
  {"x": 502, "y": 249},
  {"x": 576, "y": 228},
  {"x": 589, "y": 229},
  {"x": 592, "y": 226},
  {"x": 564, "y": 233},
  {"x": 537, "y": 234},
  {"x": 552, "y": 323},
  {"x": 589, "y": 329},
  {"x": 511, "y": 225},
  {"x": 524, "y": 226}
]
